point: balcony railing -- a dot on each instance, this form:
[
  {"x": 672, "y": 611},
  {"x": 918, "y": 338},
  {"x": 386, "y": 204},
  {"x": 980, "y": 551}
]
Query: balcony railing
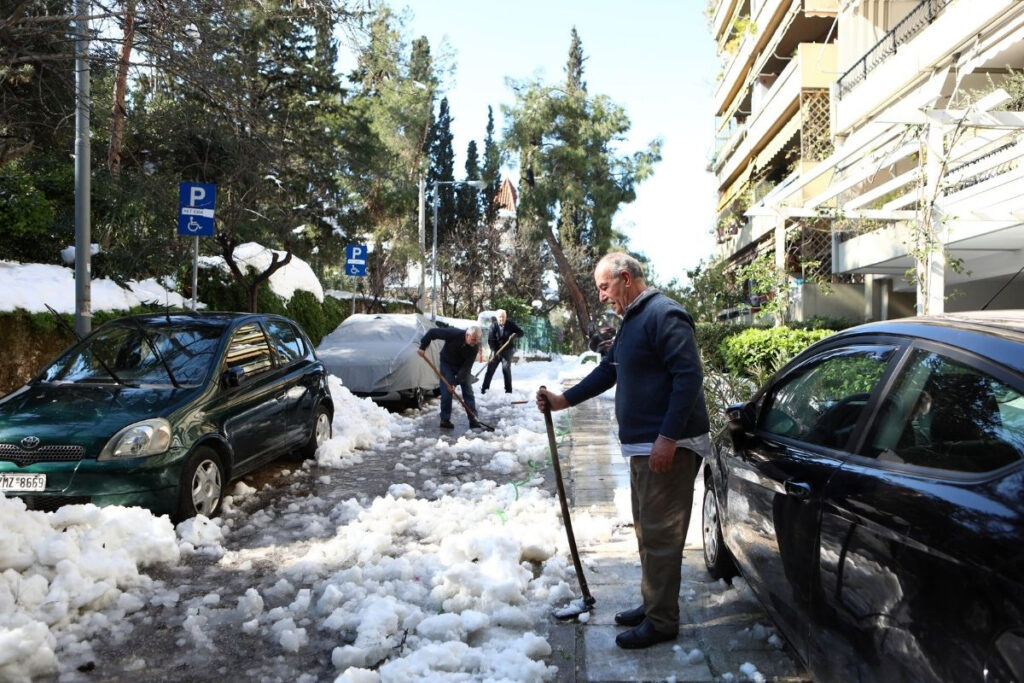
[{"x": 908, "y": 27}]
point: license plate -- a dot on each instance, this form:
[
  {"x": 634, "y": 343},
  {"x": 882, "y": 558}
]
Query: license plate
[{"x": 22, "y": 482}]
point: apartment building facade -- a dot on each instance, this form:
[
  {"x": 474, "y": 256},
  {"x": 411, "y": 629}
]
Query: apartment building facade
[{"x": 872, "y": 149}]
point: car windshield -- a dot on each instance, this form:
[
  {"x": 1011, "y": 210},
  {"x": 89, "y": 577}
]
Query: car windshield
[{"x": 119, "y": 352}]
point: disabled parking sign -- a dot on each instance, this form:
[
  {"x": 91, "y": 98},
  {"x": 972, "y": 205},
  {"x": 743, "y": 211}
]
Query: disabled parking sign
[
  {"x": 195, "y": 209},
  {"x": 355, "y": 260}
]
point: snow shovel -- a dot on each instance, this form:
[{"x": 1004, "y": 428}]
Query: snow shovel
[
  {"x": 472, "y": 415},
  {"x": 586, "y": 603},
  {"x": 495, "y": 354}
]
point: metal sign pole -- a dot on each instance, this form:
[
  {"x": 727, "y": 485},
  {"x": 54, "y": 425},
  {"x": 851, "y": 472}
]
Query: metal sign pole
[{"x": 195, "y": 271}]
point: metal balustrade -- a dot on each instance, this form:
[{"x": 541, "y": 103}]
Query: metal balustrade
[{"x": 907, "y": 27}]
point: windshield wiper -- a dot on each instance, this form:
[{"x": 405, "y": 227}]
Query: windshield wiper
[
  {"x": 64, "y": 324},
  {"x": 160, "y": 356}
]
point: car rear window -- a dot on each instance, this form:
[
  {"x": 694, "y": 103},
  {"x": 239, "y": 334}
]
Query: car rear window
[
  {"x": 286, "y": 340},
  {"x": 249, "y": 351}
]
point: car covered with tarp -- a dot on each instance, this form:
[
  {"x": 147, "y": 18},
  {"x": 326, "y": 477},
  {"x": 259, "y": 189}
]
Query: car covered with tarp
[{"x": 375, "y": 357}]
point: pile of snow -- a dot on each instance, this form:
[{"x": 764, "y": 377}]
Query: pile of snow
[
  {"x": 69, "y": 575},
  {"x": 284, "y": 282},
  {"x": 31, "y": 286}
]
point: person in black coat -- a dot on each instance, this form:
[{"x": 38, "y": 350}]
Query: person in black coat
[
  {"x": 502, "y": 330},
  {"x": 457, "y": 356}
]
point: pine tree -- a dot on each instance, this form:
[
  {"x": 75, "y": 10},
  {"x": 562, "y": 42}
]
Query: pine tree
[
  {"x": 572, "y": 181},
  {"x": 491, "y": 171},
  {"x": 442, "y": 163}
]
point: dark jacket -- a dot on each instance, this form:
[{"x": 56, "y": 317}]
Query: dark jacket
[
  {"x": 498, "y": 336},
  {"x": 456, "y": 352},
  {"x": 656, "y": 366}
]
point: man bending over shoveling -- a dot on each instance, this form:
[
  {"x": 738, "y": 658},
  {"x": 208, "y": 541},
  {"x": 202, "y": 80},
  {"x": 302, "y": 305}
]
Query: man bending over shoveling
[{"x": 457, "y": 356}]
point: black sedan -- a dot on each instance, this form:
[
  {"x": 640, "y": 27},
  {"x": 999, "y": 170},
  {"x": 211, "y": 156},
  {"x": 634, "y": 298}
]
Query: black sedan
[
  {"x": 872, "y": 495},
  {"x": 163, "y": 411}
]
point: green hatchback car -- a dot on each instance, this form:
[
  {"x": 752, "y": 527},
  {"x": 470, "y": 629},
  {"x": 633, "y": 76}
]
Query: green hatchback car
[{"x": 163, "y": 411}]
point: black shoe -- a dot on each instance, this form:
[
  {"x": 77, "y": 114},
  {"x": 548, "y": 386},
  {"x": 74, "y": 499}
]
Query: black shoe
[
  {"x": 447, "y": 424},
  {"x": 474, "y": 424},
  {"x": 642, "y": 636},
  {"x": 630, "y": 617}
]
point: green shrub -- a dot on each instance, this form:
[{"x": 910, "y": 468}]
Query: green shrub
[
  {"x": 710, "y": 337},
  {"x": 220, "y": 292},
  {"x": 756, "y": 349},
  {"x": 317, "y": 319}
]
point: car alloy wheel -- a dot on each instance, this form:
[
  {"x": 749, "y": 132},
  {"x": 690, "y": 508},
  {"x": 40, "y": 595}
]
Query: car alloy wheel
[
  {"x": 717, "y": 558},
  {"x": 202, "y": 485},
  {"x": 321, "y": 432}
]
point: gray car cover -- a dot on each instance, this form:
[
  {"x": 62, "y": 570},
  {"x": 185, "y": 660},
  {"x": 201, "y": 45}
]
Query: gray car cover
[{"x": 374, "y": 354}]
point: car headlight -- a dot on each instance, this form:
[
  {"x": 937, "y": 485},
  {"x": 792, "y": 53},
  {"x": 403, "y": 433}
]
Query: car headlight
[{"x": 149, "y": 437}]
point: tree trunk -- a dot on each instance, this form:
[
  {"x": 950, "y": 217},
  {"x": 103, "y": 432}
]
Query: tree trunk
[
  {"x": 120, "y": 82},
  {"x": 579, "y": 300},
  {"x": 227, "y": 246}
]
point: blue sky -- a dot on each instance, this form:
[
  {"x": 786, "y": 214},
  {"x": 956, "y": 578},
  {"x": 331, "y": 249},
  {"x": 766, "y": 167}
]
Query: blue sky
[{"x": 654, "y": 58}]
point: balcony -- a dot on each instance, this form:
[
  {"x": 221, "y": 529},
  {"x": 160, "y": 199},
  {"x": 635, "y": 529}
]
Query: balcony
[
  {"x": 811, "y": 69},
  {"x": 909, "y": 26},
  {"x": 914, "y": 74}
]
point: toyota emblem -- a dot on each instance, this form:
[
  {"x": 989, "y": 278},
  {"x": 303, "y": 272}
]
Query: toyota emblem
[{"x": 30, "y": 442}]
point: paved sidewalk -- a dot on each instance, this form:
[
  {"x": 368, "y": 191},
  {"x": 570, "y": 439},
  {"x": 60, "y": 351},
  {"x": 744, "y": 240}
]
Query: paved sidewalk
[{"x": 725, "y": 635}]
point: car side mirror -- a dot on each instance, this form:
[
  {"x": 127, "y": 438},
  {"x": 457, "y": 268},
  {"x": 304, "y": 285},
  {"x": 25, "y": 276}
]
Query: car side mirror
[
  {"x": 740, "y": 418},
  {"x": 232, "y": 377}
]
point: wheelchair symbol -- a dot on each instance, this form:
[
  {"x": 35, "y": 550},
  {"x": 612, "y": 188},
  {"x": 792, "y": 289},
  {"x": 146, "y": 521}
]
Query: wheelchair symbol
[
  {"x": 353, "y": 269},
  {"x": 193, "y": 225}
]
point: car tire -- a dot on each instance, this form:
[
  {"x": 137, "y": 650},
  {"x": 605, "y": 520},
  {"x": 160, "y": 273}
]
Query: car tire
[
  {"x": 321, "y": 432},
  {"x": 202, "y": 485},
  {"x": 717, "y": 557}
]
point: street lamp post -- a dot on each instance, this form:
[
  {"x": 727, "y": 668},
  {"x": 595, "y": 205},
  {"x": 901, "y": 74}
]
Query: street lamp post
[{"x": 478, "y": 184}]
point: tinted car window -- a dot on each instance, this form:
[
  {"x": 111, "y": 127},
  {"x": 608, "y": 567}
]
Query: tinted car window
[
  {"x": 249, "y": 351},
  {"x": 286, "y": 340},
  {"x": 950, "y": 416},
  {"x": 822, "y": 403}
]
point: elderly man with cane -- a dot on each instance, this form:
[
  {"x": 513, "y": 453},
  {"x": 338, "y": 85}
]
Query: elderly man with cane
[{"x": 663, "y": 429}]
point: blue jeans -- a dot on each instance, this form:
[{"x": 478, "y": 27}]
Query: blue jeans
[{"x": 449, "y": 372}]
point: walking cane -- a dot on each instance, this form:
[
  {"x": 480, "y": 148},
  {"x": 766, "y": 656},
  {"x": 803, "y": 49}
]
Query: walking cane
[
  {"x": 469, "y": 412},
  {"x": 586, "y": 603},
  {"x": 495, "y": 354}
]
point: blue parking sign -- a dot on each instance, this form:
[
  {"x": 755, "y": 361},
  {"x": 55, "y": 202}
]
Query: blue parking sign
[
  {"x": 355, "y": 260},
  {"x": 196, "y": 203}
]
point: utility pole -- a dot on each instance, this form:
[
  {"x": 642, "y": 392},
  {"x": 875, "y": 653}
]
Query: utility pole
[
  {"x": 83, "y": 235},
  {"x": 423, "y": 241}
]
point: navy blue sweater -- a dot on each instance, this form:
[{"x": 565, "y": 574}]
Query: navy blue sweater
[
  {"x": 656, "y": 367},
  {"x": 455, "y": 352}
]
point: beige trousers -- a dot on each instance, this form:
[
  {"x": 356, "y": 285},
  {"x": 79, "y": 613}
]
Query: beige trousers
[{"x": 661, "y": 515}]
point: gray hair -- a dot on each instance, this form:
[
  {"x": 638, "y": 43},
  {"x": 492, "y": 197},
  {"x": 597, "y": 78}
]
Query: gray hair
[
  {"x": 619, "y": 261},
  {"x": 474, "y": 331}
]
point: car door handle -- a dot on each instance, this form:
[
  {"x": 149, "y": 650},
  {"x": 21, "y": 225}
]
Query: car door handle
[{"x": 798, "y": 489}]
